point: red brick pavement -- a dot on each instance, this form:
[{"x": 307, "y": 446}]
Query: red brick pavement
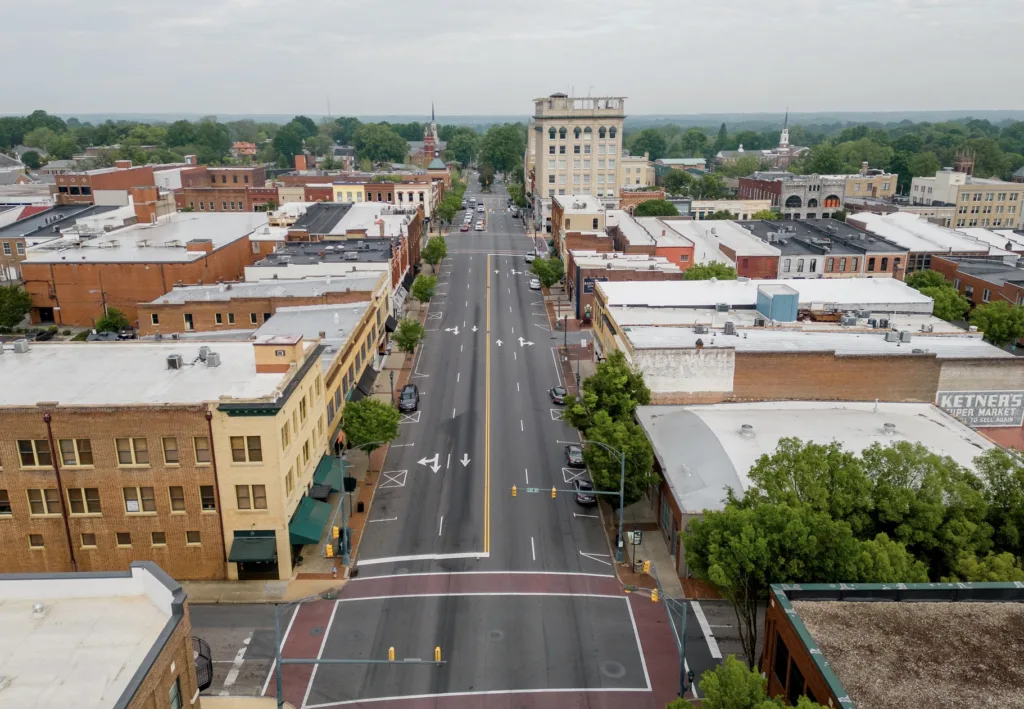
[{"x": 304, "y": 639}]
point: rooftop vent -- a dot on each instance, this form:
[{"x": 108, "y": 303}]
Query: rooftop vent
[
  {"x": 175, "y": 361},
  {"x": 213, "y": 359},
  {"x": 38, "y": 609},
  {"x": 889, "y": 429},
  {"x": 747, "y": 430},
  {"x": 904, "y": 335},
  {"x": 204, "y": 351},
  {"x": 730, "y": 327},
  {"x": 848, "y": 321},
  {"x": 891, "y": 336},
  {"x": 721, "y": 307},
  {"x": 700, "y": 329},
  {"x": 21, "y": 346}
]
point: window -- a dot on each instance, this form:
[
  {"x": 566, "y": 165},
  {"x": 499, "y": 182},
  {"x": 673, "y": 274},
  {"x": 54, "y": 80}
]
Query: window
[
  {"x": 551, "y": 133},
  {"x": 853, "y": 263},
  {"x": 35, "y": 541},
  {"x": 985, "y": 294},
  {"x": 202, "y": 444},
  {"x": 246, "y": 449},
  {"x": 207, "y": 500},
  {"x": 561, "y": 133},
  {"x": 612, "y": 132},
  {"x": 124, "y": 539},
  {"x": 155, "y": 319},
  {"x": 132, "y": 451},
  {"x": 286, "y": 436},
  {"x": 561, "y": 150},
  {"x": 234, "y": 178},
  {"x": 160, "y": 540},
  {"x": 43, "y": 501},
  {"x": 576, "y": 132},
  {"x": 75, "y": 451},
  {"x": 224, "y": 206},
  {"x": 170, "y": 444},
  {"x": 551, "y": 164},
  {"x": 786, "y": 265},
  {"x": 885, "y": 264},
  {"x": 586, "y": 150},
  {"x": 138, "y": 499},
  {"x": 20, "y": 248},
  {"x": 796, "y": 684},
  {"x": 551, "y": 150},
  {"x": 7, "y": 248},
  {"x": 34, "y": 453},
  {"x": 189, "y": 324},
  {"x": 202, "y": 206},
  {"x": 976, "y": 197},
  {"x": 245, "y": 179},
  {"x": 193, "y": 538},
  {"x": 5, "y": 503},
  {"x": 218, "y": 319},
  {"x": 211, "y": 205},
  {"x": 305, "y": 452},
  {"x": 781, "y": 660},
  {"x": 842, "y": 264},
  {"x": 231, "y": 318},
  {"x": 575, "y": 150},
  {"x": 174, "y": 694},
  {"x": 871, "y": 264},
  {"x": 177, "y": 493},
  {"x": 814, "y": 265},
  {"x": 988, "y": 196},
  {"x": 969, "y": 292},
  {"x": 252, "y": 318},
  {"x": 88, "y": 540},
  {"x": 84, "y": 501},
  {"x": 251, "y": 497},
  {"x": 799, "y": 265},
  {"x": 302, "y": 407},
  {"x": 829, "y": 264}
]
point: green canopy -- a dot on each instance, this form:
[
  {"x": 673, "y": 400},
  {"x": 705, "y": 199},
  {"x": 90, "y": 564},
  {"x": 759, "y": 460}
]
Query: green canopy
[
  {"x": 330, "y": 471},
  {"x": 308, "y": 522},
  {"x": 245, "y": 549}
]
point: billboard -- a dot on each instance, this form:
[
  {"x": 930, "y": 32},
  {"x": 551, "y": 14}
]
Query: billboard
[{"x": 984, "y": 408}]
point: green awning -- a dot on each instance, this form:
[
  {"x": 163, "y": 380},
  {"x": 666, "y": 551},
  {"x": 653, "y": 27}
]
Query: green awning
[
  {"x": 308, "y": 522},
  {"x": 245, "y": 549},
  {"x": 330, "y": 471}
]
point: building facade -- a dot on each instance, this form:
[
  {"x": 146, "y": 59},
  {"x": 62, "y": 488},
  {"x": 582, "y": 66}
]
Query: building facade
[
  {"x": 796, "y": 196},
  {"x": 636, "y": 171},
  {"x": 577, "y": 221}
]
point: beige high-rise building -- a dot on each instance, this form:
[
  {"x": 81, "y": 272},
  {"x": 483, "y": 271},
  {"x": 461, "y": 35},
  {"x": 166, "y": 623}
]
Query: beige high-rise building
[{"x": 573, "y": 147}]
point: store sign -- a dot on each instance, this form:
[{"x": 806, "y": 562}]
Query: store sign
[
  {"x": 588, "y": 284},
  {"x": 984, "y": 408}
]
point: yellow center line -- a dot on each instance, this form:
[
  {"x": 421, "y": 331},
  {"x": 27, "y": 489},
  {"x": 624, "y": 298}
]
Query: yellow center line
[{"x": 487, "y": 417}]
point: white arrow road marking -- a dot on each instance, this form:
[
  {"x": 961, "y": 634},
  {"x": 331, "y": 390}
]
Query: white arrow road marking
[
  {"x": 577, "y": 514},
  {"x": 474, "y": 328},
  {"x": 465, "y": 460},
  {"x": 595, "y": 557},
  {"x": 433, "y": 462},
  {"x": 453, "y": 330},
  {"x": 523, "y": 341},
  {"x": 499, "y": 343}
]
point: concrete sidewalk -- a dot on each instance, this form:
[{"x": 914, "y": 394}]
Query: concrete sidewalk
[{"x": 258, "y": 591}]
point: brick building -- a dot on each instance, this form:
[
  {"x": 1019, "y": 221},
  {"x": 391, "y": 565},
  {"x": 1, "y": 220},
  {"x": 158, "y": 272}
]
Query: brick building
[
  {"x": 224, "y": 189},
  {"x": 796, "y": 196},
  {"x": 982, "y": 280},
  {"x": 72, "y": 281},
  {"x": 727, "y": 243},
  {"x": 89, "y": 187},
  {"x": 341, "y": 258},
  {"x": 583, "y": 215},
  {"x": 630, "y": 198},
  {"x": 585, "y": 268},
  {"x": 921, "y": 238},
  {"x": 648, "y": 235}
]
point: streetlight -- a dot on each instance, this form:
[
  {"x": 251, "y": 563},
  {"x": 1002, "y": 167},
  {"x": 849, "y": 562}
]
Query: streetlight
[
  {"x": 392, "y": 386},
  {"x": 622, "y": 490}
]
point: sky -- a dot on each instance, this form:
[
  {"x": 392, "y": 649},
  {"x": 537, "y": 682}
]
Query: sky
[{"x": 485, "y": 57}]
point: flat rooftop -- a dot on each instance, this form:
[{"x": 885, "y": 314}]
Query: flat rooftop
[
  {"x": 322, "y": 217},
  {"x": 988, "y": 270},
  {"x": 708, "y": 235},
  {"x": 281, "y": 288},
  {"x": 579, "y": 203},
  {"x": 337, "y": 322},
  {"x": 163, "y": 242},
  {"x": 669, "y": 318},
  {"x": 817, "y": 294},
  {"x": 60, "y": 217},
  {"x": 133, "y": 372},
  {"x": 884, "y": 652},
  {"x": 91, "y": 638},
  {"x": 311, "y": 252},
  {"x": 377, "y": 219},
  {"x": 634, "y": 233},
  {"x": 617, "y": 261},
  {"x": 1001, "y": 238},
  {"x": 919, "y": 235},
  {"x": 702, "y": 451},
  {"x": 663, "y": 234},
  {"x": 819, "y": 237}
]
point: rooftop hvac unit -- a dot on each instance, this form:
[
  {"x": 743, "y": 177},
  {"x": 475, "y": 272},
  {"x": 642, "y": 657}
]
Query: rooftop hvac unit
[
  {"x": 21, "y": 346},
  {"x": 759, "y": 322},
  {"x": 904, "y": 335},
  {"x": 883, "y": 324},
  {"x": 872, "y": 322},
  {"x": 351, "y": 256},
  {"x": 721, "y": 307},
  {"x": 891, "y": 336},
  {"x": 848, "y": 321},
  {"x": 863, "y": 313},
  {"x": 916, "y": 351},
  {"x": 700, "y": 329},
  {"x": 213, "y": 359},
  {"x": 730, "y": 327},
  {"x": 928, "y": 328},
  {"x": 204, "y": 351},
  {"x": 175, "y": 361}
]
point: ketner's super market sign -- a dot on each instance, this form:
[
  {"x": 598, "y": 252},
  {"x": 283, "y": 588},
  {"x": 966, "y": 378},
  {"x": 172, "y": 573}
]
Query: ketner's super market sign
[{"x": 984, "y": 408}]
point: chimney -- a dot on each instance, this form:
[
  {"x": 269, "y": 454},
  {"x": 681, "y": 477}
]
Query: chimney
[
  {"x": 191, "y": 160},
  {"x": 123, "y": 164},
  {"x": 204, "y": 245},
  {"x": 144, "y": 200},
  {"x": 380, "y": 223},
  {"x": 300, "y": 162},
  {"x": 864, "y": 168}
]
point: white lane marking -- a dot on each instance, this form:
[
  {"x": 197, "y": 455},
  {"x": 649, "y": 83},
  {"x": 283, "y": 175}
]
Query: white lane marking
[
  {"x": 460, "y": 348},
  {"x": 639, "y": 646},
  {"x": 533, "y": 549},
  {"x": 577, "y": 514},
  {"x": 323, "y": 644},
  {"x": 517, "y": 386},
  {"x": 284, "y": 639},
  {"x": 389, "y": 519},
  {"x": 521, "y": 425},
  {"x": 527, "y": 471},
  {"x": 467, "y": 303},
  {"x": 236, "y": 664},
  {"x": 463, "y": 573},
  {"x": 596, "y": 557},
  {"x": 463, "y": 324},
  {"x": 510, "y": 308},
  {"x": 709, "y": 636},
  {"x": 453, "y": 413},
  {"x": 440, "y": 526},
  {"x": 515, "y": 356},
  {"x": 458, "y": 377},
  {"x": 448, "y": 464},
  {"x": 403, "y": 445},
  {"x": 558, "y": 370},
  {"x": 424, "y": 557}
]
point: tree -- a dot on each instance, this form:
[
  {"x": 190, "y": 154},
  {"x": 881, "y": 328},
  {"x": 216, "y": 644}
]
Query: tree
[
  {"x": 925, "y": 279},
  {"x": 606, "y": 468},
  {"x": 503, "y": 146},
  {"x": 379, "y": 143},
  {"x": 319, "y": 144},
  {"x": 306, "y": 126},
  {"x": 549, "y": 270},
  {"x": 62, "y": 146},
  {"x": 649, "y": 141},
  {"x": 721, "y": 215},
  {"x": 882, "y": 560},
  {"x": 765, "y": 214},
  {"x": 615, "y": 387},
  {"x": 15, "y": 302},
  {"x": 423, "y": 287},
  {"x": 32, "y": 159},
  {"x": 709, "y": 186},
  {"x": 707, "y": 271},
  {"x": 823, "y": 160},
  {"x": 435, "y": 251},
  {"x": 212, "y": 141},
  {"x": 1001, "y": 322},
  {"x": 1003, "y": 474},
  {"x": 288, "y": 143},
  {"x": 732, "y": 685},
  {"x": 462, "y": 146},
  {"x": 485, "y": 175},
  {"x": 693, "y": 142},
  {"x": 38, "y": 138},
  {"x": 408, "y": 334},
  {"x": 1003, "y": 567},
  {"x": 923, "y": 165},
  {"x": 344, "y": 130},
  {"x": 448, "y": 207},
  {"x": 677, "y": 182},
  {"x": 723, "y": 138},
  {"x": 948, "y": 304},
  {"x": 741, "y": 167},
  {"x": 656, "y": 208},
  {"x": 112, "y": 321},
  {"x": 369, "y": 423}
]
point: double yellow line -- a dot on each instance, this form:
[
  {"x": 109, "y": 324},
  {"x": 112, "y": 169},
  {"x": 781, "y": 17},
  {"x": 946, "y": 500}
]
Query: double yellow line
[{"x": 487, "y": 417}]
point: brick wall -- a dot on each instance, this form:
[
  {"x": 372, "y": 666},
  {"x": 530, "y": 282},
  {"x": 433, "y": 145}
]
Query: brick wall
[
  {"x": 753, "y": 266},
  {"x": 583, "y": 299},
  {"x": 101, "y": 426},
  {"x": 319, "y": 193},
  {"x": 175, "y": 661},
  {"x": 749, "y": 188},
  {"x": 628, "y": 199},
  {"x": 949, "y": 268},
  {"x": 779, "y": 629}
]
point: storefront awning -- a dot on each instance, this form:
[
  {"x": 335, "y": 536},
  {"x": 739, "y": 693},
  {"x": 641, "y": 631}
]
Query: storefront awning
[
  {"x": 252, "y": 549},
  {"x": 391, "y": 324},
  {"x": 330, "y": 471},
  {"x": 308, "y": 522},
  {"x": 355, "y": 395},
  {"x": 367, "y": 379},
  {"x": 407, "y": 281}
]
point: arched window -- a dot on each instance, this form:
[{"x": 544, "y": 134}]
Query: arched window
[
  {"x": 814, "y": 265},
  {"x": 871, "y": 264},
  {"x": 799, "y": 265},
  {"x": 812, "y": 203},
  {"x": 551, "y": 133},
  {"x": 601, "y": 132},
  {"x": 587, "y": 133},
  {"x": 885, "y": 264},
  {"x": 855, "y": 263},
  {"x": 561, "y": 133},
  {"x": 786, "y": 265},
  {"x": 576, "y": 132},
  {"x": 832, "y": 201},
  {"x": 612, "y": 132},
  {"x": 794, "y": 202},
  {"x": 842, "y": 265}
]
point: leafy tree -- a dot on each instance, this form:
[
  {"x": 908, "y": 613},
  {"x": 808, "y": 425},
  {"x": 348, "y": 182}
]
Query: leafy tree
[
  {"x": 38, "y": 138},
  {"x": 721, "y": 215},
  {"x": 1001, "y": 322},
  {"x": 989, "y": 159},
  {"x": 732, "y": 685},
  {"x": 882, "y": 560},
  {"x": 288, "y": 143},
  {"x": 709, "y": 186},
  {"x": 741, "y": 167},
  {"x": 181, "y": 133},
  {"x": 448, "y": 207},
  {"x": 656, "y": 208},
  {"x": 606, "y": 468},
  {"x": 723, "y": 138},
  {"x": 319, "y": 144},
  {"x": 112, "y": 321},
  {"x": 344, "y": 130},
  {"x": 925, "y": 279},
  {"x": 503, "y": 146},
  {"x": 707, "y": 271},
  {"x": 1003, "y": 567},
  {"x": 549, "y": 270},
  {"x": 824, "y": 159},
  {"x": 32, "y": 159},
  {"x": 379, "y": 143},
  {"x": 765, "y": 214},
  {"x": 408, "y": 334},
  {"x": 15, "y": 302},
  {"x": 423, "y": 287},
  {"x": 615, "y": 387},
  {"x": 855, "y": 152},
  {"x": 62, "y": 146},
  {"x": 462, "y": 146},
  {"x": 923, "y": 165},
  {"x": 369, "y": 421},
  {"x": 485, "y": 175},
  {"x": 649, "y": 141},
  {"x": 435, "y": 250},
  {"x": 948, "y": 303},
  {"x": 306, "y": 126},
  {"x": 839, "y": 215},
  {"x": 1003, "y": 474},
  {"x": 213, "y": 143},
  {"x": 693, "y": 143},
  {"x": 677, "y": 182},
  {"x": 516, "y": 193}
]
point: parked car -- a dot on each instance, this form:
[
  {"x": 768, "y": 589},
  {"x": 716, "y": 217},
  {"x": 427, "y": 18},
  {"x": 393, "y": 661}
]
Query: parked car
[
  {"x": 479, "y": 226},
  {"x": 41, "y": 336},
  {"x": 465, "y": 227},
  {"x": 574, "y": 456},
  {"x": 409, "y": 399},
  {"x": 558, "y": 394},
  {"x": 534, "y": 284},
  {"x": 530, "y": 258},
  {"x": 480, "y": 208},
  {"x": 584, "y": 492}
]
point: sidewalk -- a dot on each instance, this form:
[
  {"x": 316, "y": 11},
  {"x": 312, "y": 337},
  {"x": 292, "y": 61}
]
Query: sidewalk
[{"x": 258, "y": 591}]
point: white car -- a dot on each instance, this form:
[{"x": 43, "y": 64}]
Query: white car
[
  {"x": 480, "y": 208},
  {"x": 530, "y": 256},
  {"x": 479, "y": 226},
  {"x": 534, "y": 284}
]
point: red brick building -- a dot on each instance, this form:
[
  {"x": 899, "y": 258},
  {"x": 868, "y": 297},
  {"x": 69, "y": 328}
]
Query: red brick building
[
  {"x": 982, "y": 280},
  {"x": 585, "y": 268},
  {"x": 81, "y": 187}
]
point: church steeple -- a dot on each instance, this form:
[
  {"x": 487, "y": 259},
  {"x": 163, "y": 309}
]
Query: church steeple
[
  {"x": 432, "y": 119},
  {"x": 784, "y": 137}
]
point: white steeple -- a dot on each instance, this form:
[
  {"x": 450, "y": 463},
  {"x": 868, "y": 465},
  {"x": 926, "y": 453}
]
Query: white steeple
[{"x": 784, "y": 137}]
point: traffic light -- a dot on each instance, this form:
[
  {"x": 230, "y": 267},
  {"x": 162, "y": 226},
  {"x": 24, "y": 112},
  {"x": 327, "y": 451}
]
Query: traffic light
[
  {"x": 647, "y": 567},
  {"x": 513, "y": 491},
  {"x": 329, "y": 551},
  {"x": 335, "y": 532},
  {"x": 391, "y": 654},
  {"x": 554, "y": 492},
  {"x": 654, "y": 595}
]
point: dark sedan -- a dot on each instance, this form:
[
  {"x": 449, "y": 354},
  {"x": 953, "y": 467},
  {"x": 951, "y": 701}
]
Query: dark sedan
[
  {"x": 584, "y": 492},
  {"x": 558, "y": 394},
  {"x": 574, "y": 456},
  {"x": 409, "y": 399}
]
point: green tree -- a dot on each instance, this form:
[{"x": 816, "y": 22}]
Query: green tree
[
  {"x": 1003, "y": 567},
  {"x": 606, "y": 468},
  {"x": 212, "y": 141},
  {"x": 823, "y": 160},
  {"x": 732, "y": 685},
  {"x": 677, "y": 182},
  {"x": 485, "y": 175},
  {"x": 319, "y": 144},
  {"x": 707, "y": 271},
  {"x": 503, "y": 146},
  {"x": 462, "y": 147},
  {"x": 765, "y": 214},
  {"x": 1001, "y": 322},
  {"x": 306, "y": 126},
  {"x": 649, "y": 141},
  {"x": 408, "y": 334},
  {"x": 549, "y": 270},
  {"x": 948, "y": 304},
  {"x": 693, "y": 143},
  {"x": 32, "y": 159},
  {"x": 369, "y": 421},
  {"x": 1003, "y": 474},
  {"x": 882, "y": 560},
  {"x": 656, "y": 208},
  {"x": 288, "y": 143},
  {"x": 516, "y": 193},
  {"x": 423, "y": 287},
  {"x": 923, "y": 165},
  {"x": 709, "y": 186},
  {"x": 435, "y": 251},
  {"x": 741, "y": 167},
  {"x": 62, "y": 146},
  {"x": 112, "y": 321},
  {"x": 925, "y": 279},
  {"x": 39, "y": 138},
  {"x": 379, "y": 143},
  {"x": 344, "y": 130},
  {"x": 181, "y": 133},
  {"x": 615, "y": 387},
  {"x": 721, "y": 215},
  {"x": 448, "y": 208},
  {"x": 723, "y": 138},
  {"x": 15, "y": 302}
]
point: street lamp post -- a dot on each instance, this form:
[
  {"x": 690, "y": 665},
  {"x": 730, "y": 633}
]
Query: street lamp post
[
  {"x": 392, "y": 386},
  {"x": 622, "y": 492}
]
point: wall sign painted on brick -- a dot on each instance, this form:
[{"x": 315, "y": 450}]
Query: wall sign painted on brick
[
  {"x": 984, "y": 408},
  {"x": 588, "y": 283}
]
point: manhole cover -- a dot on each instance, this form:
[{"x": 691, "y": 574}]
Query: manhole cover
[
  {"x": 496, "y": 635},
  {"x": 613, "y": 669},
  {"x": 353, "y": 635},
  {"x": 316, "y": 631},
  {"x": 402, "y": 570}
]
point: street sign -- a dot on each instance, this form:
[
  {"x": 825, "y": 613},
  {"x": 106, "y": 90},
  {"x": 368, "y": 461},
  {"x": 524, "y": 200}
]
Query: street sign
[
  {"x": 533, "y": 489},
  {"x": 638, "y": 537}
]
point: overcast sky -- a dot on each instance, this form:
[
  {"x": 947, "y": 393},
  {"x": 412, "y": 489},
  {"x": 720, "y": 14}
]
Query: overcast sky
[{"x": 494, "y": 56}]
